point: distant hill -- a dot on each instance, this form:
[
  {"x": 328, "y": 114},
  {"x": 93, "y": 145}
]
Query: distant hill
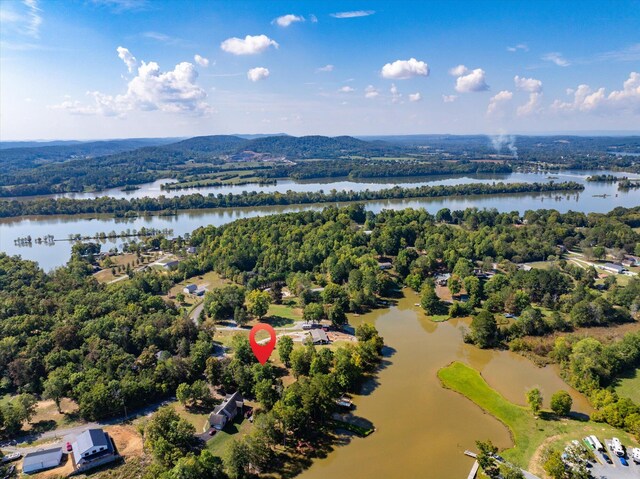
[{"x": 30, "y": 154}]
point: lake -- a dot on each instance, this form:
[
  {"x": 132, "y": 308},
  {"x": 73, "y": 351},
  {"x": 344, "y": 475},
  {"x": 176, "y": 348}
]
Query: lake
[
  {"x": 186, "y": 221},
  {"x": 423, "y": 429}
]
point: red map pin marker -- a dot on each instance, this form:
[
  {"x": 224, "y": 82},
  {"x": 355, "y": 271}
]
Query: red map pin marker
[{"x": 262, "y": 351}]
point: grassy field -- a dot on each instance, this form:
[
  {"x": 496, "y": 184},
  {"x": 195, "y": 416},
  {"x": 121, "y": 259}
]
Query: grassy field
[
  {"x": 528, "y": 432},
  {"x": 629, "y": 385},
  {"x": 219, "y": 443}
]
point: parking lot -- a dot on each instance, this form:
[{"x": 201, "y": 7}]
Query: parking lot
[{"x": 615, "y": 470}]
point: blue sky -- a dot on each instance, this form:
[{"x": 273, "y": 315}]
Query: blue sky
[{"x": 128, "y": 68}]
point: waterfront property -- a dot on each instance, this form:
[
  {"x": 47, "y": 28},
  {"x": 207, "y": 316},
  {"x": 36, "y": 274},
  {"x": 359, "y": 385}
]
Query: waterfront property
[
  {"x": 41, "y": 460},
  {"x": 91, "y": 449},
  {"x": 227, "y": 411}
]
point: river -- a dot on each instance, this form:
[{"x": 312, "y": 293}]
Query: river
[
  {"x": 423, "y": 429},
  {"x": 61, "y": 227}
]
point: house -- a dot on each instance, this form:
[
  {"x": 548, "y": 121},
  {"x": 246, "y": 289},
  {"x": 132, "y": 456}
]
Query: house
[
  {"x": 171, "y": 264},
  {"x": 385, "y": 265},
  {"x": 191, "y": 250},
  {"x": 442, "y": 279},
  {"x": 612, "y": 268},
  {"x": 227, "y": 411},
  {"x": 319, "y": 336},
  {"x": 190, "y": 289},
  {"x": 41, "y": 460},
  {"x": 524, "y": 267},
  {"x": 200, "y": 291},
  {"x": 91, "y": 449},
  {"x": 630, "y": 261}
]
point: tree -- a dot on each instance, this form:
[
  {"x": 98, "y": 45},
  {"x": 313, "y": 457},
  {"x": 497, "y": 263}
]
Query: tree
[
  {"x": 180, "y": 297},
  {"x": 511, "y": 472},
  {"x": 486, "y": 458},
  {"x": 336, "y": 314},
  {"x": 55, "y": 387},
  {"x": 313, "y": 312},
  {"x": 300, "y": 362},
  {"x": 168, "y": 436},
  {"x": 561, "y": 403},
  {"x": 454, "y": 284},
  {"x": 285, "y": 346},
  {"x": 444, "y": 216},
  {"x": 429, "y": 300},
  {"x": 237, "y": 459},
  {"x": 554, "y": 465},
  {"x": 534, "y": 400},
  {"x": 240, "y": 316},
  {"x": 484, "y": 329},
  {"x": 258, "y": 303},
  {"x": 213, "y": 370}
]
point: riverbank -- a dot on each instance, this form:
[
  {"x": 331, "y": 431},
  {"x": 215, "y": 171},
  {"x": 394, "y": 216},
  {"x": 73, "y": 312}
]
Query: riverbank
[
  {"x": 528, "y": 432},
  {"x": 162, "y": 205}
]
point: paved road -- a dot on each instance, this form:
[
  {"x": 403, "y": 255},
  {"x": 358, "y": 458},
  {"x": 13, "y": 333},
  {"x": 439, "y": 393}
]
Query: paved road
[
  {"x": 59, "y": 437},
  {"x": 195, "y": 313}
]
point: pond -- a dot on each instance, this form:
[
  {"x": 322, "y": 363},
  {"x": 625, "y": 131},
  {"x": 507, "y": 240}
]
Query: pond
[{"x": 423, "y": 429}]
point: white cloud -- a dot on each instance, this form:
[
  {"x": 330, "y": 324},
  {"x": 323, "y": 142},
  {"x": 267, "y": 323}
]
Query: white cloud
[
  {"x": 472, "y": 82},
  {"x": 286, "y": 20},
  {"x": 202, "y": 61},
  {"x": 498, "y": 100},
  {"x": 532, "y": 106},
  {"x": 458, "y": 71},
  {"x": 346, "y": 89},
  {"x": 371, "y": 92},
  {"x": 353, "y": 14},
  {"x": 162, "y": 38},
  {"x": 531, "y": 85},
  {"x": 326, "y": 68},
  {"x": 395, "y": 95},
  {"x": 250, "y": 45},
  {"x": 519, "y": 46},
  {"x": 415, "y": 96},
  {"x": 126, "y": 56},
  {"x": 23, "y": 18},
  {"x": 403, "y": 69},
  {"x": 257, "y": 74},
  {"x": 587, "y": 100},
  {"x": 174, "y": 91},
  {"x": 449, "y": 98},
  {"x": 557, "y": 58},
  {"x": 35, "y": 19}
]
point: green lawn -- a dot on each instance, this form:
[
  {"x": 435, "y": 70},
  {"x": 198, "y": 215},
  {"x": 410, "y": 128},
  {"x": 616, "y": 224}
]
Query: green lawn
[
  {"x": 282, "y": 315},
  {"x": 629, "y": 385},
  {"x": 439, "y": 318},
  {"x": 527, "y": 431},
  {"x": 219, "y": 443}
]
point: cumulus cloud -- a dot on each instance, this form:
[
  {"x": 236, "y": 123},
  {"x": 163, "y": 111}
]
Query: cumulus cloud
[
  {"x": 151, "y": 89},
  {"x": 585, "y": 99},
  {"x": 250, "y": 45},
  {"x": 449, "y": 98},
  {"x": 326, "y": 68},
  {"x": 128, "y": 59},
  {"x": 458, "y": 71},
  {"x": 472, "y": 82},
  {"x": 257, "y": 74},
  {"x": 519, "y": 46},
  {"x": 532, "y": 106},
  {"x": 415, "y": 96},
  {"x": 531, "y": 85},
  {"x": 346, "y": 89},
  {"x": 403, "y": 69},
  {"x": 202, "y": 61},
  {"x": 286, "y": 20},
  {"x": 557, "y": 58},
  {"x": 371, "y": 92},
  {"x": 353, "y": 14},
  {"x": 498, "y": 100}
]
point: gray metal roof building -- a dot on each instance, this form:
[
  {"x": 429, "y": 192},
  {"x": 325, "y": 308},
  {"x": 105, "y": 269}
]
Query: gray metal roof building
[{"x": 41, "y": 460}]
